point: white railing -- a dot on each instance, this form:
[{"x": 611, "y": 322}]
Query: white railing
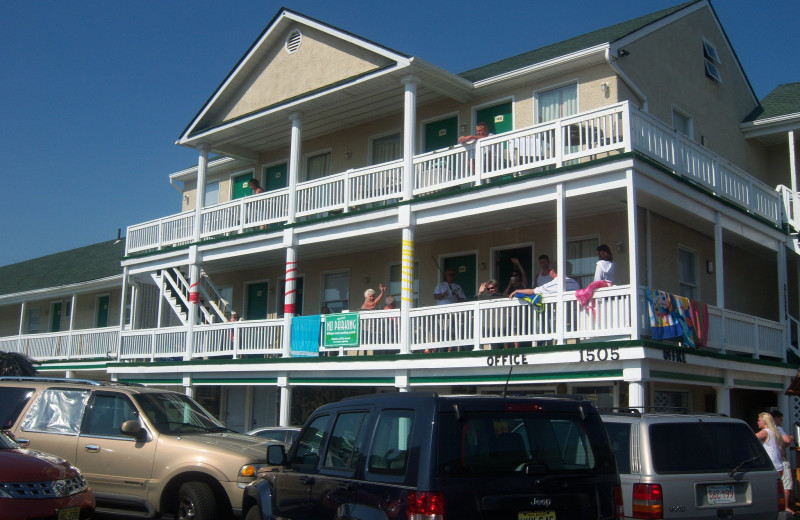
[
  {"x": 790, "y": 199},
  {"x": 153, "y": 344},
  {"x": 160, "y": 233},
  {"x": 76, "y": 344}
]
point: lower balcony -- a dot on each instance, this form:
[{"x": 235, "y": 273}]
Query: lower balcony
[{"x": 475, "y": 325}]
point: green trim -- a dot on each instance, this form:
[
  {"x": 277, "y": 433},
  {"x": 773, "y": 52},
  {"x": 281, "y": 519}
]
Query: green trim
[
  {"x": 351, "y": 380},
  {"x": 72, "y": 367},
  {"x": 221, "y": 380},
  {"x": 683, "y": 376},
  {"x": 501, "y": 378},
  {"x": 762, "y": 384},
  {"x": 153, "y": 381}
]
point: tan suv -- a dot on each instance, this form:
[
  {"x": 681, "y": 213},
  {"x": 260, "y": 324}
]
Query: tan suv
[{"x": 143, "y": 450}]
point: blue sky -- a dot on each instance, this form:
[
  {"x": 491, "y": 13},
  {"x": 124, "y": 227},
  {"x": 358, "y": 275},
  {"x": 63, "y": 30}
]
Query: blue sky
[{"x": 95, "y": 93}]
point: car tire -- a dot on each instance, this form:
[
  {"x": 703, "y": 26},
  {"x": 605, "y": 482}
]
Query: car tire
[
  {"x": 196, "y": 502},
  {"x": 253, "y": 513}
]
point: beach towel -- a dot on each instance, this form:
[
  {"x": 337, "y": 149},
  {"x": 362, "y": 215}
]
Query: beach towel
[
  {"x": 683, "y": 316},
  {"x": 533, "y": 299},
  {"x": 699, "y": 311},
  {"x": 584, "y": 296},
  {"x": 662, "y": 318},
  {"x": 305, "y": 335}
]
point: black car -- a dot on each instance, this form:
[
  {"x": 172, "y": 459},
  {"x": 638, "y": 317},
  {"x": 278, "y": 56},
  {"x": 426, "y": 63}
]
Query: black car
[{"x": 421, "y": 455}]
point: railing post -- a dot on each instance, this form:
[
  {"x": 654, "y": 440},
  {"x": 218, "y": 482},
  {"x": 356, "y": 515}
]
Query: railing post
[
  {"x": 477, "y": 324},
  {"x": 347, "y": 197}
]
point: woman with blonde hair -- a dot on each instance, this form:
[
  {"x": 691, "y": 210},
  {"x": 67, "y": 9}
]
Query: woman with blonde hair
[{"x": 773, "y": 443}]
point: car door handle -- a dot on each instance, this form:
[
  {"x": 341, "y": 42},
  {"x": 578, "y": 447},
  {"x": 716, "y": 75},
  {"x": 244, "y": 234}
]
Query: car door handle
[
  {"x": 307, "y": 480},
  {"x": 22, "y": 442},
  {"x": 92, "y": 448}
]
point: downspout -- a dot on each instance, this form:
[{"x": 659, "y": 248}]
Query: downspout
[{"x": 625, "y": 79}]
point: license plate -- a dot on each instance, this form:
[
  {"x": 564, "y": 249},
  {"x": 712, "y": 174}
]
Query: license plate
[
  {"x": 536, "y": 515},
  {"x": 722, "y": 494},
  {"x": 73, "y": 513}
]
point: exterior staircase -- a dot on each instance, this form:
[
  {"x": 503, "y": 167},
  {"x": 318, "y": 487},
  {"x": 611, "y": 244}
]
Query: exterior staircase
[{"x": 175, "y": 287}]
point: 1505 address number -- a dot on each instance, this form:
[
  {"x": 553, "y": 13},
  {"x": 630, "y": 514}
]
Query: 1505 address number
[{"x": 598, "y": 354}]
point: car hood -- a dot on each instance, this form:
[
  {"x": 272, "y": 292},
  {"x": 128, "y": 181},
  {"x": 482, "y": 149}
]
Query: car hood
[
  {"x": 21, "y": 465},
  {"x": 252, "y": 448}
]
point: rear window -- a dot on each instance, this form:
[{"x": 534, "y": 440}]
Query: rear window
[
  {"x": 705, "y": 447},
  {"x": 506, "y": 443},
  {"x": 12, "y": 401}
]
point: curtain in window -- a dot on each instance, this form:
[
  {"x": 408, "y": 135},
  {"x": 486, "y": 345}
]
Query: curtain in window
[
  {"x": 582, "y": 260},
  {"x": 386, "y": 149},
  {"x": 318, "y": 166},
  {"x": 336, "y": 291},
  {"x": 556, "y": 103}
]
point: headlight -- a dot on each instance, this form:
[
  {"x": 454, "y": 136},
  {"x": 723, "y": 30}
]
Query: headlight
[{"x": 250, "y": 470}]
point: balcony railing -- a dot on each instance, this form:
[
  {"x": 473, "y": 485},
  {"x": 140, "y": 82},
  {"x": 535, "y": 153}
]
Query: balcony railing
[
  {"x": 475, "y": 325},
  {"x": 569, "y": 140}
]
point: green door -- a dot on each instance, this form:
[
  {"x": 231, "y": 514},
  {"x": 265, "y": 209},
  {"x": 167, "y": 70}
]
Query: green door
[
  {"x": 498, "y": 118},
  {"x": 241, "y": 185},
  {"x": 277, "y": 177},
  {"x": 102, "y": 311},
  {"x": 55, "y": 318},
  {"x": 441, "y": 134},
  {"x": 257, "y": 297},
  {"x": 466, "y": 271}
]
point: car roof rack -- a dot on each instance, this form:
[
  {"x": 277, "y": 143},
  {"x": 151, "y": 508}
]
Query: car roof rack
[
  {"x": 637, "y": 411},
  {"x": 46, "y": 379}
]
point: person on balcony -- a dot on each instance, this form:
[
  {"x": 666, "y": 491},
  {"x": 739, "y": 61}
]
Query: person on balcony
[
  {"x": 481, "y": 131},
  {"x": 448, "y": 291},
  {"x": 605, "y": 266},
  {"x": 550, "y": 287},
  {"x": 255, "y": 187},
  {"x": 544, "y": 276},
  {"x": 518, "y": 279},
  {"x": 488, "y": 291},
  {"x": 370, "y": 300}
]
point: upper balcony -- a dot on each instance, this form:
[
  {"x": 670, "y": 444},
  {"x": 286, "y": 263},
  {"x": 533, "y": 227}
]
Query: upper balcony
[{"x": 616, "y": 129}]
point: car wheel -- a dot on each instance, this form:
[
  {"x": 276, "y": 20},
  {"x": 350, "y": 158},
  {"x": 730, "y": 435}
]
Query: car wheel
[
  {"x": 253, "y": 513},
  {"x": 196, "y": 502}
]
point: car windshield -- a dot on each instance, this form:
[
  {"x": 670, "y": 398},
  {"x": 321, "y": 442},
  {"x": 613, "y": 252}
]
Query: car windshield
[{"x": 177, "y": 414}]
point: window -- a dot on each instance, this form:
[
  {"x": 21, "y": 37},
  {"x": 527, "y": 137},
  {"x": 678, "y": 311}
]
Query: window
[
  {"x": 293, "y": 41},
  {"x": 582, "y": 260},
  {"x": 557, "y": 103},
  {"x": 33, "y": 320},
  {"x": 336, "y": 290},
  {"x": 108, "y": 412},
  {"x": 711, "y": 60},
  {"x": 682, "y": 122},
  {"x": 318, "y": 166},
  {"x": 56, "y": 411},
  {"x": 395, "y": 288},
  {"x": 389, "y": 452},
  {"x": 308, "y": 444},
  {"x": 619, "y": 433},
  {"x": 212, "y": 193},
  {"x": 687, "y": 274},
  {"x": 347, "y": 439},
  {"x": 386, "y": 149}
]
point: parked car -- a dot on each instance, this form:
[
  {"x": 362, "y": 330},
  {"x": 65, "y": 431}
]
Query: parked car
[
  {"x": 35, "y": 485},
  {"x": 143, "y": 450},
  {"x": 421, "y": 455},
  {"x": 692, "y": 466},
  {"x": 284, "y": 434}
]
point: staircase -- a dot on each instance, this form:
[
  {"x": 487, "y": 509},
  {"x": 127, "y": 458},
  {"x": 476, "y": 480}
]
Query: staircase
[{"x": 176, "y": 288}]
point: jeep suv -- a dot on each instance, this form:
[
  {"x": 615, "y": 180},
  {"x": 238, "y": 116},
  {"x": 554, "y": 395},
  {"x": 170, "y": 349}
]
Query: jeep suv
[
  {"x": 420, "y": 455},
  {"x": 142, "y": 450},
  {"x": 692, "y": 466}
]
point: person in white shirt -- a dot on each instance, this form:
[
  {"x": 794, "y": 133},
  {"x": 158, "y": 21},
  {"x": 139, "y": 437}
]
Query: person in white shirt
[
  {"x": 544, "y": 276},
  {"x": 448, "y": 291},
  {"x": 786, "y": 476},
  {"x": 550, "y": 287},
  {"x": 605, "y": 266}
]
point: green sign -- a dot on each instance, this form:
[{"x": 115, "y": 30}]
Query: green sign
[{"x": 340, "y": 330}]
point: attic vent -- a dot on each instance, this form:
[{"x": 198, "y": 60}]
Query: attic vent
[{"x": 293, "y": 41}]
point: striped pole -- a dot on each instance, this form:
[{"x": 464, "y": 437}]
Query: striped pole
[
  {"x": 289, "y": 299},
  {"x": 407, "y": 289}
]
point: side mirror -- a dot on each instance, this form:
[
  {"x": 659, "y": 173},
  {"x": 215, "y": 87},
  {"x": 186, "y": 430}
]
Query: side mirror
[
  {"x": 134, "y": 429},
  {"x": 276, "y": 454}
]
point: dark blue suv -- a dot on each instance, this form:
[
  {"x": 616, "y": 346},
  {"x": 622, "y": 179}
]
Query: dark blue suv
[{"x": 416, "y": 456}]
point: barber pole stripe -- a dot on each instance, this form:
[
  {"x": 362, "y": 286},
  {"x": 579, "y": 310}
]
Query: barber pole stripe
[
  {"x": 407, "y": 271},
  {"x": 290, "y": 288}
]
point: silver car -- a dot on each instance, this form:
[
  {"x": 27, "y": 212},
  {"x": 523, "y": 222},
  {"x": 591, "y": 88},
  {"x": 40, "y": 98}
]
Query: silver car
[
  {"x": 692, "y": 466},
  {"x": 283, "y": 434}
]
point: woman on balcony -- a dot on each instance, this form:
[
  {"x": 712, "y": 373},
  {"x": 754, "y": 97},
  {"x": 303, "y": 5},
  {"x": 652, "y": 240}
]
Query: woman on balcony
[{"x": 370, "y": 300}]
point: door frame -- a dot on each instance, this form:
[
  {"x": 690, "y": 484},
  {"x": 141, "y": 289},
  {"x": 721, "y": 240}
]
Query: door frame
[
  {"x": 232, "y": 183},
  {"x": 499, "y": 101},
  {"x": 441, "y": 261},
  {"x": 245, "y": 294},
  {"x": 268, "y": 165},
  {"x": 97, "y": 309},
  {"x": 424, "y": 122}
]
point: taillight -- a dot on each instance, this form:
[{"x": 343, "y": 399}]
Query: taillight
[
  {"x": 781, "y": 496},
  {"x": 619, "y": 507},
  {"x": 648, "y": 501},
  {"x": 425, "y": 505}
]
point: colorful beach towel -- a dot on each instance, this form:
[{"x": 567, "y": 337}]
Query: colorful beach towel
[
  {"x": 699, "y": 311},
  {"x": 533, "y": 299},
  {"x": 663, "y": 324},
  {"x": 585, "y": 295},
  {"x": 683, "y": 315}
]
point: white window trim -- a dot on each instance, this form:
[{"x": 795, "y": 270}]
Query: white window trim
[
  {"x": 708, "y": 45},
  {"x": 693, "y": 251},
  {"x": 251, "y": 171},
  {"x": 372, "y": 138},
  {"x": 307, "y": 156},
  {"x": 500, "y": 101},
  {"x": 323, "y": 274},
  {"x": 555, "y": 86},
  {"x": 689, "y": 118}
]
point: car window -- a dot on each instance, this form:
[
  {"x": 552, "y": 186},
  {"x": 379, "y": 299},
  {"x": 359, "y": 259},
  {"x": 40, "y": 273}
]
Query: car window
[
  {"x": 12, "y": 401},
  {"x": 275, "y": 435},
  {"x": 620, "y": 436},
  {"x": 389, "y": 451},
  {"x": 176, "y": 414},
  {"x": 56, "y": 410},
  {"x": 107, "y": 413},
  {"x": 505, "y": 443},
  {"x": 704, "y": 447},
  {"x": 308, "y": 445},
  {"x": 347, "y": 439}
]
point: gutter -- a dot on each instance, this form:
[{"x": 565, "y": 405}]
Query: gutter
[{"x": 625, "y": 79}]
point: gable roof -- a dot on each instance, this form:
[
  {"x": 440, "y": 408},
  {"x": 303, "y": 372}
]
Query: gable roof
[
  {"x": 783, "y": 101},
  {"x": 84, "y": 264},
  {"x": 605, "y": 35}
]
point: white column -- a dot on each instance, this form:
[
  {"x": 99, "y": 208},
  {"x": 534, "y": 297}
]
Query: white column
[
  {"x": 294, "y": 162},
  {"x": 793, "y": 175},
  {"x": 783, "y": 295},
  {"x": 188, "y": 386},
  {"x": 633, "y": 253},
  {"x": 648, "y": 241},
  {"x": 121, "y": 311},
  {"x": 194, "y": 299},
  {"x": 407, "y": 288},
  {"x": 409, "y": 134},
  {"x": 200, "y": 190},
  {"x": 22, "y": 309},
  {"x": 401, "y": 381},
  {"x": 290, "y": 295},
  {"x": 719, "y": 261},
  {"x": 723, "y": 399},
  {"x": 285, "y": 412},
  {"x": 634, "y": 375},
  {"x": 561, "y": 262}
]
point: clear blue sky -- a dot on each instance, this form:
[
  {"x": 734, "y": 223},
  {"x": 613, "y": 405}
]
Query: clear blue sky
[{"x": 95, "y": 93}]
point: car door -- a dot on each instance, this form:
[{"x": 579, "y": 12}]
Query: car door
[
  {"x": 112, "y": 461},
  {"x": 52, "y": 422},
  {"x": 293, "y": 484}
]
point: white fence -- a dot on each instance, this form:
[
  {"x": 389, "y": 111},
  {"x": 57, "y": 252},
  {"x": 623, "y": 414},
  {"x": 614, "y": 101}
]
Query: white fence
[{"x": 76, "y": 344}]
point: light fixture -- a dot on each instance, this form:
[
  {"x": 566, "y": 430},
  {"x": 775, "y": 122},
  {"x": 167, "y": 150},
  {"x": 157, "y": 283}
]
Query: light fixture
[
  {"x": 463, "y": 129},
  {"x": 622, "y": 53},
  {"x": 348, "y": 154},
  {"x": 604, "y": 86},
  {"x": 482, "y": 266},
  {"x": 709, "y": 266},
  {"x": 620, "y": 247}
]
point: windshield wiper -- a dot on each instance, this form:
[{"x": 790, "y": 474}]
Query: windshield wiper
[{"x": 745, "y": 462}]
